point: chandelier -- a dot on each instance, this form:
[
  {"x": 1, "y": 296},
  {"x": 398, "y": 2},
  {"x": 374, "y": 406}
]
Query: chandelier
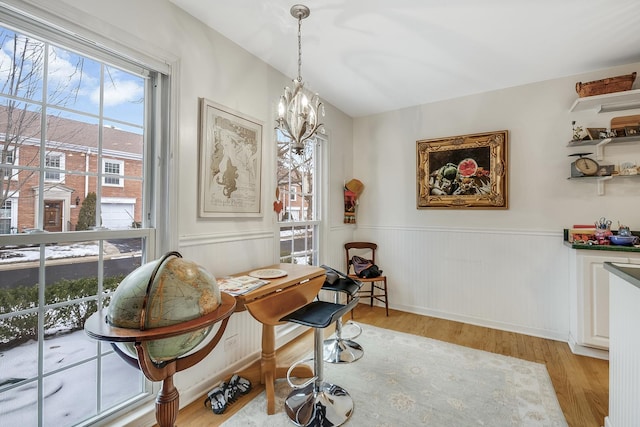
[{"x": 297, "y": 114}]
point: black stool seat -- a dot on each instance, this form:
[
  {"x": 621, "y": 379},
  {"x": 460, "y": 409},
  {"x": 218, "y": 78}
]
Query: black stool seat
[
  {"x": 316, "y": 402},
  {"x": 319, "y": 314}
]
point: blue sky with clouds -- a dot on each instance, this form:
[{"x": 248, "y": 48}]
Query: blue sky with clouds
[{"x": 74, "y": 82}]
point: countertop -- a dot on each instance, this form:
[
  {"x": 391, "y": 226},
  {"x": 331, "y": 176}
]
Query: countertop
[
  {"x": 628, "y": 272},
  {"x": 612, "y": 248}
]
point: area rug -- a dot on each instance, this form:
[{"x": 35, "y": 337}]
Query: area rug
[{"x": 407, "y": 380}]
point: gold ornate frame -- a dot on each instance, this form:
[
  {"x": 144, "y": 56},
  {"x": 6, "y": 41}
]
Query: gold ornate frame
[{"x": 461, "y": 172}]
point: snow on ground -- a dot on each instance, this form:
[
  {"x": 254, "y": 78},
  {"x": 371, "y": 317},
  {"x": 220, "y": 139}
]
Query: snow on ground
[
  {"x": 73, "y": 250},
  {"x": 70, "y": 395}
]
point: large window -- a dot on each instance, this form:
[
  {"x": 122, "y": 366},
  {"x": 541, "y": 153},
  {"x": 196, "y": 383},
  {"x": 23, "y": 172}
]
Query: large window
[
  {"x": 84, "y": 122},
  {"x": 299, "y": 189}
]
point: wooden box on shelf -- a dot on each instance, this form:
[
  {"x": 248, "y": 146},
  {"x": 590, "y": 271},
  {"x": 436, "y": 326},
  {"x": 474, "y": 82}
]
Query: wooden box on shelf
[{"x": 608, "y": 85}]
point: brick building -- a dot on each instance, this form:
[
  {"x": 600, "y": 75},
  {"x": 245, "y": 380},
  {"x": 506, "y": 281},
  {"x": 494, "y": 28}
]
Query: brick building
[{"x": 71, "y": 172}]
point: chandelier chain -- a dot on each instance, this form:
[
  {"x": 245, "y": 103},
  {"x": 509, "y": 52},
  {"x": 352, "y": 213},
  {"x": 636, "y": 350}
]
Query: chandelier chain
[{"x": 299, "y": 47}]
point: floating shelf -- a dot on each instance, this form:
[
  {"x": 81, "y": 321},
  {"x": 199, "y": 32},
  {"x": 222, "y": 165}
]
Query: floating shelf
[
  {"x": 601, "y": 143},
  {"x": 618, "y": 101},
  {"x": 600, "y": 180}
]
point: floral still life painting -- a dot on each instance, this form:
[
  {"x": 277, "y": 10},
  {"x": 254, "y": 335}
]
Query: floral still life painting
[{"x": 467, "y": 171}]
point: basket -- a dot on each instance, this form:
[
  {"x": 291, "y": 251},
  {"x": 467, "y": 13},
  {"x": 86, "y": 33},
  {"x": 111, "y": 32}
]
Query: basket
[{"x": 609, "y": 85}]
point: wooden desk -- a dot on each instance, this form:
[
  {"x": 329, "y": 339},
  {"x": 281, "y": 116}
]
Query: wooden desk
[{"x": 268, "y": 304}]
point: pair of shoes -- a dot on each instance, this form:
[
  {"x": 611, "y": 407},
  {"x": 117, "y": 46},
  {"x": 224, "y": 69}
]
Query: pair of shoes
[{"x": 227, "y": 393}]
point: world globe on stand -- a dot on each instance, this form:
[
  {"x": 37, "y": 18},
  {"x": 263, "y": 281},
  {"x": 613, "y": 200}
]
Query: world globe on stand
[{"x": 160, "y": 293}]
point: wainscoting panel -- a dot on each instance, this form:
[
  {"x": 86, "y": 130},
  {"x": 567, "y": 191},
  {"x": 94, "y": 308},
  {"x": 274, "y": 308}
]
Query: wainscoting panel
[
  {"x": 509, "y": 280},
  {"x": 241, "y": 343}
]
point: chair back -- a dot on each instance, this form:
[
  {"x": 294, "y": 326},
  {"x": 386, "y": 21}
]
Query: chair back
[{"x": 360, "y": 245}]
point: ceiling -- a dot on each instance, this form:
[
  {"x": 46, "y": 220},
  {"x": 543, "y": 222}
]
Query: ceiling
[{"x": 372, "y": 56}]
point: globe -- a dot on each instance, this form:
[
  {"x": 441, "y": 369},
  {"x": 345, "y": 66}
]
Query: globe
[{"x": 180, "y": 290}]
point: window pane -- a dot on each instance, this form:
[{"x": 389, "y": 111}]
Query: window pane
[
  {"x": 81, "y": 381},
  {"x": 297, "y": 245},
  {"x": 19, "y": 409},
  {"x": 120, "y": 381},
  {"x": 73, "y": 81},
  {"x": 123, "y": 96},
  {"x": 296, "y": 174},
  {"x": 21, "y": 69}
]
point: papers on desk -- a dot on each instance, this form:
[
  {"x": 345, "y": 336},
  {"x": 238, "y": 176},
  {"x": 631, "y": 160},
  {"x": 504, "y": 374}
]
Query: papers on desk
[{"x": 240, "y": 285}]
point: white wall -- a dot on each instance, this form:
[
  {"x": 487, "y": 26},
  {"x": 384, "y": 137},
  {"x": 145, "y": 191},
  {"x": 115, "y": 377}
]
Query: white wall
[
  {"x": 500, "y": 268},
  {"x": 205, "y": 64},
  {"x": 503, "y": 268}
]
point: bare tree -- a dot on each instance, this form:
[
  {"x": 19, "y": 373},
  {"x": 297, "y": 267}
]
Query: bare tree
[{"x": 22, "y": 82}]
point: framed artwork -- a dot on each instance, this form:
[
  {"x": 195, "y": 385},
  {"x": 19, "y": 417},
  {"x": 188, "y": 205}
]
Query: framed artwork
[
  {"x": 463, "y": 172},
  {"x": 230, "y": 162}
]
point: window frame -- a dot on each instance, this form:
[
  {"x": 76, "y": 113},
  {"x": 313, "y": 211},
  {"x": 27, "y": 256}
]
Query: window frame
[
  {"x": 320, "y": 144},
  {"x": 158, "y": 230}
]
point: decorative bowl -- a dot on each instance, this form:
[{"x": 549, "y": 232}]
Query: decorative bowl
[{"x": 623, "y": 240}]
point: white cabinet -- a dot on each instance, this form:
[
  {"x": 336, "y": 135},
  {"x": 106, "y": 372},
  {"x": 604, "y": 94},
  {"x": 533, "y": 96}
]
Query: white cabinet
[{"x": 589, "y": 325}]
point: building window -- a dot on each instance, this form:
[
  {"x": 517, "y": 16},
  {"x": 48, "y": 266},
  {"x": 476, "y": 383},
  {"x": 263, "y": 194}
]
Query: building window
[
  {"x": 299, "y": 220},
  {"x": 67, "y": 105},
  {"x": 7, "y": 216},
  {"x": 54, "y": 161},
  {"x": 113, "y": 170},
  {"x": 8, "y": 159}
]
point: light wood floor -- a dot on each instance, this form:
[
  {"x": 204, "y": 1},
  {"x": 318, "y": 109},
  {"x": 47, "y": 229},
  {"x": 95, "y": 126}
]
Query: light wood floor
[{"x": 581, "y": 383}]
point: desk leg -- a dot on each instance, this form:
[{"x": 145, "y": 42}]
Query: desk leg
[
  {"x": 268, "y": 365},
  {"x": 269, "y": 372}
]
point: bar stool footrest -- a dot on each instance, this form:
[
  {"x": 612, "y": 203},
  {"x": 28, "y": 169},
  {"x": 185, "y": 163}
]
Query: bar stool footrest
[
  {"x": 290, "y": 370},
  {"x": 329, "y": 404}
]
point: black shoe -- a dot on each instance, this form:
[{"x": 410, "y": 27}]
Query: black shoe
[
  {"x": 216, "y": 398},
  {"x": 242, "y": 385}
]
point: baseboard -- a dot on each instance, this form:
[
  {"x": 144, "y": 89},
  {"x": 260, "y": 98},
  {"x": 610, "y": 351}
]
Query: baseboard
[
  {"x": 582, "y": 350},
  {"x": 540, "y": 333},
  {"x": 607, "y": 423}
]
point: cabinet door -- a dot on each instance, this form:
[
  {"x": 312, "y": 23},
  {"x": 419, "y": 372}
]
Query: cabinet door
[{"x": 595, "y": 299}]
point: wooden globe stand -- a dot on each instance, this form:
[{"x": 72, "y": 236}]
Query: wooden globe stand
[{"x": 167, "y": 400}]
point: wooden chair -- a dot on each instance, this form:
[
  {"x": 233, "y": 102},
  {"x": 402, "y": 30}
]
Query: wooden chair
[{"x": 378, "y": 288}]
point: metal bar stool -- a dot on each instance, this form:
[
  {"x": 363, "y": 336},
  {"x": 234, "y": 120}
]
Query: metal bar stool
[
  {"x": 341, "y": 349},
  {"x": 316, "y": 402}
]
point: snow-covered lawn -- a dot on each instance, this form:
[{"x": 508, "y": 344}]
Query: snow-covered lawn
[
  {"x": 69, "y": 395},
  {"x": 73, "y": 250}
]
